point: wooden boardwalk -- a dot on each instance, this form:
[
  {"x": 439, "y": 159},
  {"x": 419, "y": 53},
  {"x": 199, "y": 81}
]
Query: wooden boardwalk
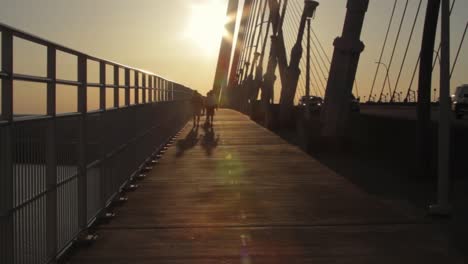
[{"x": 240, "y": 194}]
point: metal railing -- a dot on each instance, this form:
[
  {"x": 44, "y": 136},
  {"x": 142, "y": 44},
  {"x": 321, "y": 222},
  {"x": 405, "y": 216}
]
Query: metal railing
[{"x": 58, "y": 172}]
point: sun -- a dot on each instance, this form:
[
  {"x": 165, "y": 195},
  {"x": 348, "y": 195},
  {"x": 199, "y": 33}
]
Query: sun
[{"x": 206, "y": 25}]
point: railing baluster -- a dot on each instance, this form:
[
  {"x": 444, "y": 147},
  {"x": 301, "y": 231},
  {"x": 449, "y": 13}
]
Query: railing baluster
[
  {"x": 158, "y": 85},
  {"x": 127, "y": 87},
  {"x": 7, "y": 83},
  {"x": 150, "y": 88},
  {"x": 137, "y": 88},
  {"x": 144, "y": 88},
  {"x": 163, "y": 90},
  {"x": 102, "y": 85},
  {"x": 172, "y": 91},
  {"x": 155, "y": 89},
  {"x": 101, "y": 126},
  {"x": 116, "y": 86},
  {"x": 6, "y": 154},
  {"x": 82, "y": 170},
  {"x": 51, "y": 155}
]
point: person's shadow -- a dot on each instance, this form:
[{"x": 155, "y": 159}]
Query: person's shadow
[
  {"x": 209, "y": 140},
  {"x": 188, "y": 142}
]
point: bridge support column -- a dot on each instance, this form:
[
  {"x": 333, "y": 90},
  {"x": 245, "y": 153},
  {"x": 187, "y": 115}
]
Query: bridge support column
[
  {"x": 348, "y": 47},
  {"x": 293, "y": 73}
]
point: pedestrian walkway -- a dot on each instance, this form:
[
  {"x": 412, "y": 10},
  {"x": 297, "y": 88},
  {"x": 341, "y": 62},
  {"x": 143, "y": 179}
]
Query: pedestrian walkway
[{"x": 238, "y": 193}]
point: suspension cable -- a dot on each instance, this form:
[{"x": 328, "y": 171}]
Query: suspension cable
[
  {"x": 407, "y": 49},
  {"x": 247, "y": 39},
  {"x": 321, "y": 47},
  {"x": 253, "y": 29},
  {"x": 387, "y": 76},
  {"x": 459, "y": 49},
  {"x": 383, "y": 49},
  {"x": 260, "y": 33},
  {"x": 254, "y": 35}
]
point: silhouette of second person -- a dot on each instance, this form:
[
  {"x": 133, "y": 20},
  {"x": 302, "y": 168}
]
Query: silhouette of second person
[
  {"x": 210, "y": 105},
  {"x": 197, "y": 106}
]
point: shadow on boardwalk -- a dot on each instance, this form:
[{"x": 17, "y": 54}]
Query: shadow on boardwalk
[
  {"x": 190, "y": 141},
  {"x": 209, "y": 140}
]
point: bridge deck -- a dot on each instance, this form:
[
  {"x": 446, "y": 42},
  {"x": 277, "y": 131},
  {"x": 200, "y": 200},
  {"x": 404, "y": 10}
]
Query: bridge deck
[{"x": 243, "y": 195}]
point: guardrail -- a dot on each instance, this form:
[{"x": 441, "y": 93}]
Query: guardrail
[{"x": 58, "y": 172}]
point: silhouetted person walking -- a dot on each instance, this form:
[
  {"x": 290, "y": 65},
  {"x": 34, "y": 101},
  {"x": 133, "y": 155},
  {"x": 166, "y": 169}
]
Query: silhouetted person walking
[
  {"x": 210, "y": 107},
  {"x": 197, "y": 105}
]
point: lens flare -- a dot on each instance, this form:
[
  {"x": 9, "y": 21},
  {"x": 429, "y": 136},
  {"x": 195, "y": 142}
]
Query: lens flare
[{"x": 206, "y": 25}]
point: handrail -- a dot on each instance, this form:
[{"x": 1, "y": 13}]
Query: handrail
[{"x": 41, "y": 41}]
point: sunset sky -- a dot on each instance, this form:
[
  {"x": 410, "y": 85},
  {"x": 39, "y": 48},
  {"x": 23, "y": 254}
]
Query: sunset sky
[{"x": 179, "y": 39}]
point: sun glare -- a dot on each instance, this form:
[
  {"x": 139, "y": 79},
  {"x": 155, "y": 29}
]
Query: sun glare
[{"x": 206, "y": 25}]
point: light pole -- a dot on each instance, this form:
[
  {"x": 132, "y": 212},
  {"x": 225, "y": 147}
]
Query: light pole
[{"x": 442, "y": 207}]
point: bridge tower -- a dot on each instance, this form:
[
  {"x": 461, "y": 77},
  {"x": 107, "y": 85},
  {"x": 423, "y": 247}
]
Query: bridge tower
[
  {"x": 229, "y": 95},
  {"x": 348, "y": 47},
  {"x": 222, "y": 69},
  {"x": 293, "y": 73}
]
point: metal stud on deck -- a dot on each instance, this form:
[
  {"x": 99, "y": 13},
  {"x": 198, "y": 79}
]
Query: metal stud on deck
[
  {"x": 131, "y": 188},
  {"x": 86, "y": 239}
]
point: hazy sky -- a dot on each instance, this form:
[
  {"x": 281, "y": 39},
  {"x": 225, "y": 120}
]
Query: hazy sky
[{"x": 160, "y": 35}]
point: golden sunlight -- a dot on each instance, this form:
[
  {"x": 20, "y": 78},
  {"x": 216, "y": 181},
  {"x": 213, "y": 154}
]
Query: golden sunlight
[{"x": 206, "y": 25}]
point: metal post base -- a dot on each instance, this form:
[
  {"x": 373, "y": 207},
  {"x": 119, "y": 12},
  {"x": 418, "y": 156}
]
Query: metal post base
[
  {"x": 106, "y": 218},
  {"x": 86, "y": 239},
  {"x": 131, "y": 188},
  {"x": 440, "y": 210},
  {"x": 119, "y": 201}
]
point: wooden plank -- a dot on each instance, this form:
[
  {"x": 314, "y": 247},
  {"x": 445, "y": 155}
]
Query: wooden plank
[{"x": 253, "y": 198}]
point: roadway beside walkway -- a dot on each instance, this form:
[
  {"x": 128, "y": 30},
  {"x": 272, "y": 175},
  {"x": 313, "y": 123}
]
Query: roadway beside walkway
[{"x": 238, "y": 193}]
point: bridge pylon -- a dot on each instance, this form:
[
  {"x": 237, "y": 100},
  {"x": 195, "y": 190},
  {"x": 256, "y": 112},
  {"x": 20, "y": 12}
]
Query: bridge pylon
[
  {"x": 222, "y": 69},
  {"x": 348, "y": 47}
]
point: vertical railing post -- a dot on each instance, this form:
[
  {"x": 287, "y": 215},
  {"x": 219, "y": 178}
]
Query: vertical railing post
[
  {"x": 51, "y": 154},
  {"x": 165, "y": 90},
  {"x": 127, "y": 87},
  {"x": 172, "y": 91},
  {"x": 158, "y": 87},
  {"x": 102, "y": 136},
  {"x": 6, "y": 154},
  {"x": 102, "y": 85},
  {"x": 137, "y": 88},
  {"x": 150, "y": 88},
  {"x": 155, "y": 86},
  {"x": 143, "y": 87},
  {"x": 162, "y": 90},
  {"x": 168, "y": 91},
  {"x": 82, "y": 109},
  {"x": 116, "y": 86}
]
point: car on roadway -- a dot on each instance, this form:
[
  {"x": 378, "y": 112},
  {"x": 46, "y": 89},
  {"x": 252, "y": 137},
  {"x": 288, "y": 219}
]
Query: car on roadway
[
  {"x": 460, "y": 101},
  {"x": 314, "y": 103}
]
